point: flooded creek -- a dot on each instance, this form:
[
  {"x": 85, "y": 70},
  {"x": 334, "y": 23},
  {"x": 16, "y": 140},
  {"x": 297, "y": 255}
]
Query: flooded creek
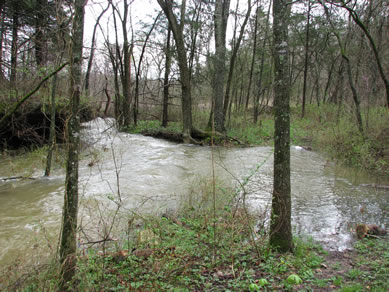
[{"x": 152, "y": 175}]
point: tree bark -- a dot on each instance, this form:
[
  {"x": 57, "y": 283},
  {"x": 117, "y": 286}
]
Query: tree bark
[
  {"x": 14, "y": 45},
  {"x": 259, "y": 91},
  {"x": 220, "y": 21},
  {"x": 68, "y": 245},
  {"x": 252, "y": 57},
  {"x": 168, "y": 63},
  {"x": 280, "y": 226},
  {"x": 342, "y": 48},
  {"x": 306, "y": 61},
  {"x": 138, "y": 71},
  {"x": 377, "y": 57},
  {"x": 126, "y": 76},
  {"x": 52, "y": 127},
  {"x": 92, "y": 50},
  {"x": 40, "y": 24},
  {"x": 178, "y": 34},
  {"x": 233, "y": 58}
]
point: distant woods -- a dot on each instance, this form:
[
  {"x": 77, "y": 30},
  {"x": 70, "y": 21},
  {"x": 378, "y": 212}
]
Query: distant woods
[{"x": 182, "y": 59}]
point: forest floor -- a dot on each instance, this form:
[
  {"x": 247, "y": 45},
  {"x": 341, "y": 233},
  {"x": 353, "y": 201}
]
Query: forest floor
[{"x": 200, "y": 249}]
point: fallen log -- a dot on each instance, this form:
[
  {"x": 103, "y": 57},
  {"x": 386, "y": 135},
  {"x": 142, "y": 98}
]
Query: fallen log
[
  {"x": 376, "y": 186},
  {"x": 16, "y": 178},
  {"x": 369, "y": 230},
  {"x": 198, "y": 137}
]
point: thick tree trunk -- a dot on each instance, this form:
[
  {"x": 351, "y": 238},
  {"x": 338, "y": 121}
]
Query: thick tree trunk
[
  {"x": 220, "y": 20},
  {"x": 126, "y": 75},
  {"x": 68, "y": 245},
  {"x": 280, "y": 226},
  {"x": 185, "y": 74}
]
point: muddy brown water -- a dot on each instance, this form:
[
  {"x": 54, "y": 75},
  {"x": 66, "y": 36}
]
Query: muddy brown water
[{"x": 154, "y": 175}]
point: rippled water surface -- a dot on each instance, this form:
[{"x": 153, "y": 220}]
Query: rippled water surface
[{"x": 153, "y": 175}]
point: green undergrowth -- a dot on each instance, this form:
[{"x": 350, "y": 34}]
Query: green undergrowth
[
  {"x": 210, "y": 247},
  {"x": 327, "y": 129},
  {"x": 154, "y": 125},
  {"x": 335, "y": 132}
]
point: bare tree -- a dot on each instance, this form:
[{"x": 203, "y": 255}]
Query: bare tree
[
  {"x": 185, "y": 74},
  {"x": 168, "y": 63},
  {"x": 372, "y": 43},
  {"x": 220, "y": 20},
  {"x": 68, "y": 242},
  {"x": 280, "y": 226},
  {"x": 92, "y": 49},
  {"x": 138, "y": 69},
  {"x": 306, "y": 60},
  {"x": 233, "y": 58},
  {"x": 346, "y": 58}
]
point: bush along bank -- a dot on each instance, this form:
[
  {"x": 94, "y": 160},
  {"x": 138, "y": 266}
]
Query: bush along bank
[
  {"x": 335, "y": 132},
  {"x": 30, "y": 127}
]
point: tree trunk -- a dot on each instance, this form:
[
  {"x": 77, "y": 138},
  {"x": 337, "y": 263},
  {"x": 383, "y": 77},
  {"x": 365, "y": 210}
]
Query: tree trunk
[
  {"x": 2, "y": 30},
  {"x": 52, "y": 126},
  {"x": 280, "y": 226},
  {"x": 68, "y": 245},
  {"x": 252, "y": 57},
  {"x": 329, "y": 79},
  {"x": 342, "y": 48},
  {"x": 377, "y": 57},
  {"x": 40, "y": 23},
  {"x": 126, "y": 75},
  {"x": 138, "y": 71},
  {"x": 168, "y": 63},
  {"x": 220, "y": 21},
  {"x": 306, "y": 61},
  {"x": 233, "y": 58},
  {"x": 259, "y": 90},
  {"x": 14, "y": 46},
  {"x": 92, "y": 50},
  {"x": 178, "y": 34}
]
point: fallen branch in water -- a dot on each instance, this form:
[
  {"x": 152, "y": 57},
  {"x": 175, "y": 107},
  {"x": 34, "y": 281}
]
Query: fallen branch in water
[
  {"x": 17, "y": 177},
  {"x": 384, "y": 187}
]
